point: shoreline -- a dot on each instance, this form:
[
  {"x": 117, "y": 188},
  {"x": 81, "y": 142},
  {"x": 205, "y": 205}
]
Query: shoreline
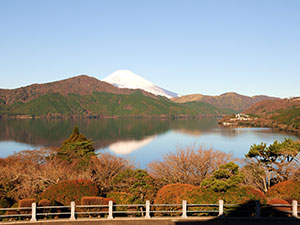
[
  {"x": 225, "y": 122},
  {"x": 26, "y": 117}
]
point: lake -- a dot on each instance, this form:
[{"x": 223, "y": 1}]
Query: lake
[{"x": 138, "y": 140}]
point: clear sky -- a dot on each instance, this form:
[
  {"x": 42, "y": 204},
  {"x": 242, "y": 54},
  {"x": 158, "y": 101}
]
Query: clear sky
[{"x": 187, "y": 46}]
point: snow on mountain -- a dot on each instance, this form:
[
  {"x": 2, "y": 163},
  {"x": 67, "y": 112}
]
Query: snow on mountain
[{"x": 128, "y": 79}]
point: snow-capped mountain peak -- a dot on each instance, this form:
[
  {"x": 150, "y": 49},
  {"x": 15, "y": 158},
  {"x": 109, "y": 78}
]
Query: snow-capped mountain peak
[{"x": 129, "y": 79}]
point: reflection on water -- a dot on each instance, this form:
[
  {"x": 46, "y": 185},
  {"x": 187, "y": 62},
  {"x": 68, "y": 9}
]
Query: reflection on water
[
  {"x": 126, "y": 147},
  {"x": 139, "y": 139}
]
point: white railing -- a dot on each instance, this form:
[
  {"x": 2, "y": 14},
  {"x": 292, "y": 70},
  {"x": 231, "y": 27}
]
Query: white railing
[{"x": 146, "y": 210}]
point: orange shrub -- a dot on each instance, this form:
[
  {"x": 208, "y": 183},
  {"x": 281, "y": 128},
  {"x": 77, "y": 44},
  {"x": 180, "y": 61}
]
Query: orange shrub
[
  {"x": 94, "y": 200},
  {"x": 173, "y": 193},
  {"x": 281, "y": 202},
  {"x": 278, "y": 211},
  {"x": 26, "y": 202},
  {"x": 44, "y": 202},
  {"x": 286, "y": 190},
  {"x": 64, "y": 192}
]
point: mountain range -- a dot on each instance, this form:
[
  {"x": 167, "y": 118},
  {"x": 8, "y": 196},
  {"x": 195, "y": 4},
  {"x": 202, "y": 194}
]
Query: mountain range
[
  {"x": 228, "y": 100},
  {"x": 123, "y": 93}
]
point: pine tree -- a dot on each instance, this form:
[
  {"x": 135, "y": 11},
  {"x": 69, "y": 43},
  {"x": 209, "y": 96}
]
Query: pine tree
[
  {"x": 76, "y": 149},
  {"x": 227, "y": 176}
]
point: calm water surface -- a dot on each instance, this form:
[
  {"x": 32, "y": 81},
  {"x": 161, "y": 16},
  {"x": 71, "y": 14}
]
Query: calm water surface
[{"x": 139, "y": 140}]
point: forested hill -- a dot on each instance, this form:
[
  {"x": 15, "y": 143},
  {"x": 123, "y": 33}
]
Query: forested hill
[
  {"x": 283, "y": 114},
  {"x": 81, "y": 85},
  {"x": 230, "y": 100},
  {"x": 85, "y": 96}
]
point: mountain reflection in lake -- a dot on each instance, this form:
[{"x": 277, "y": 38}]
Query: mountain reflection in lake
[{"x": 139, "y": 140}]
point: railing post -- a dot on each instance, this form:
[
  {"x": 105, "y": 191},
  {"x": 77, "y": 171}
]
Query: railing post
[
  {"x": 295, "y": 208},
  {"x": 147, "y": 216},
  {"x": 221, "y": 207},
  {"x": 110, "y": 210},
  {"x": 257, "y": 209},
  {"x": 33, "y": 212},
  {"x": 184, "y": 209},
  {"x": 72, "y": 211}
]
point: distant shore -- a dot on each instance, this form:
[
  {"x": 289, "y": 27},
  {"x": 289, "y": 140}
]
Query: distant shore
[
  {"x": 111, "y": 117},
  {"x": 234, "y": 121}
]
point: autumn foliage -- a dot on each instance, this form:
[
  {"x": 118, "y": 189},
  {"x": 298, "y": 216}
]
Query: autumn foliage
[
  {"x": 243, "y": 194},
  {"x": 44, "y": 202},
  {"x": 95, "y": 200},
  {"x": 70, "y": 190},
  {"x": 279, "y": 202},
  {"x": 197, "y": 175},
  {"x": 287, "y": 190},
  {"x": 173, "y": 193},
  {"x": 26, "y": 202}
]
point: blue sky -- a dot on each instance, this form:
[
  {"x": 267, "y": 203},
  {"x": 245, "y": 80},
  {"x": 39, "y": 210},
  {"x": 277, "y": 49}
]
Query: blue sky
[{"x": 209, "y": 47}]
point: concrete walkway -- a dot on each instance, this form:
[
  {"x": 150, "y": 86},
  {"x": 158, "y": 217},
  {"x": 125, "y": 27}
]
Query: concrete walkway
[{"x": 165, "y": 221}]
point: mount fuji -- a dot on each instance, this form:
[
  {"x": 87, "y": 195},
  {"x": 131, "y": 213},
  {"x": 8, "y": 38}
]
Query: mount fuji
[{"x": 128, "y": 79}]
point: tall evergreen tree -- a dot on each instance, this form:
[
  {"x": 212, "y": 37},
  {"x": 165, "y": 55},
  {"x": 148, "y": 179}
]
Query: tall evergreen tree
[{"x": 76, "y": 149}]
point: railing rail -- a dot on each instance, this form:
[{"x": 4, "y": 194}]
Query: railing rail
[{"x": 146, "y": 210}]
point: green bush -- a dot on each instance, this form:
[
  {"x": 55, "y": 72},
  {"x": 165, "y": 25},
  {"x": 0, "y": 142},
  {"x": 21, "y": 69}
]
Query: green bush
[
  {"x": 121, "y": 198},
  {"x": 242, "y": 195},
  {"x": 6, "y": 202},
  {"x": 137, "y": 182},
  {"x": 226, "y": 177},
  {"x": 13, "y": 212}
]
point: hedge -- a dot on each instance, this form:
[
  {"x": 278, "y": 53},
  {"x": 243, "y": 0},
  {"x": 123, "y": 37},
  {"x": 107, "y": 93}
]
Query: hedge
[
  {"x": 64, "y": 192},
  {"x": 286, "y": 190}
]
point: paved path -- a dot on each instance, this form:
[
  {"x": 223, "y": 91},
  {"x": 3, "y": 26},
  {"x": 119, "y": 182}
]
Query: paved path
[{"x": 165, "y": 221}]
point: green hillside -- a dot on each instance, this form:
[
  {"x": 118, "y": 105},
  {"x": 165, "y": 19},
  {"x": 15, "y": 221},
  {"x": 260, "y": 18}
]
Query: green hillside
[
  {"x": 100, "y": 104},
  {"x": 289, "y": 116},
  {"x": 206, "y": 108}
]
